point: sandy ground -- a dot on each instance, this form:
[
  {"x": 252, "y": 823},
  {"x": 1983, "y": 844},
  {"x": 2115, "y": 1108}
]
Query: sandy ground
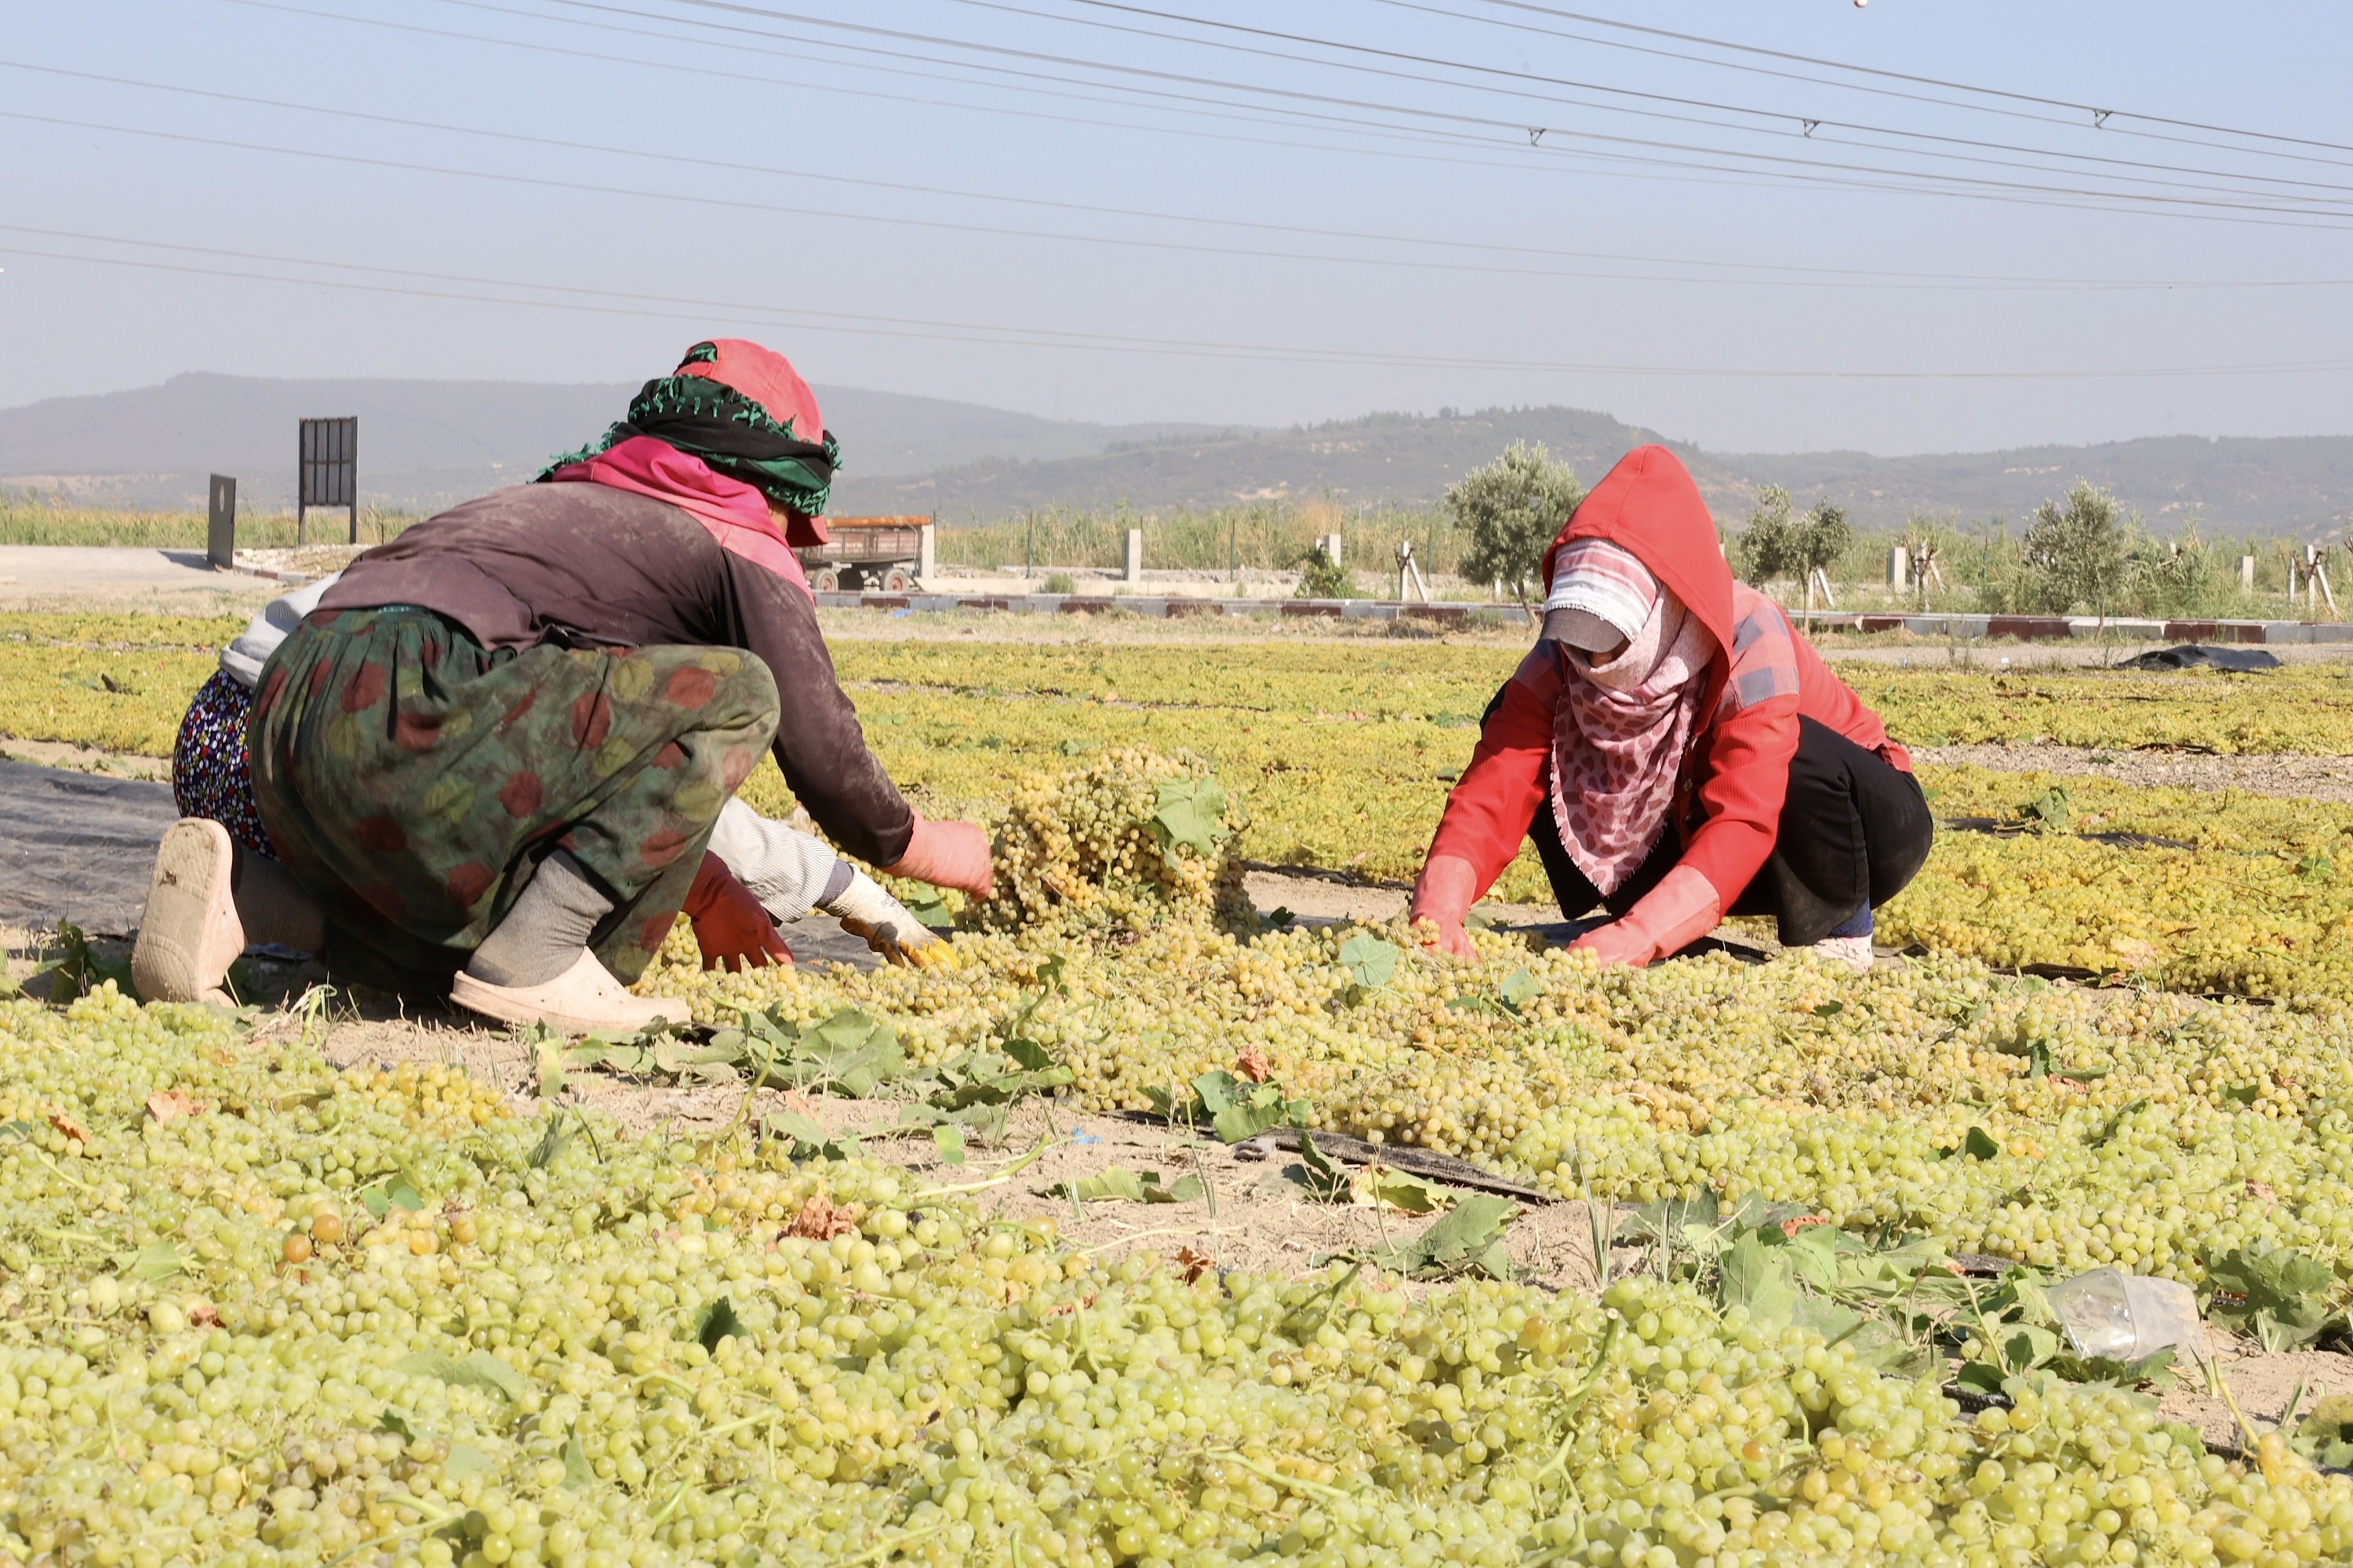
[{"x": 2288, "y": 775}]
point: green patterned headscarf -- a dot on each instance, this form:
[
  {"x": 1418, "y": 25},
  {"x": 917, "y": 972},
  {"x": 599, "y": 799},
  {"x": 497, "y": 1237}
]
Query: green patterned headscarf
[{"x": 729, "y": 429}]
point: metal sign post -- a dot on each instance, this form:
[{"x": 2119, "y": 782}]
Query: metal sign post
[
  {"x": 220, "y": 528},
  {"x": 327, "y": 472}
]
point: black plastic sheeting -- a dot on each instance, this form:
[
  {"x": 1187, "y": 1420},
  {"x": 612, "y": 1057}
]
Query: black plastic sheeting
[
  {"x": 2200, "y": 656},
  {"x": 81, "y": 847},
  {"x": 78, "y": 846}
]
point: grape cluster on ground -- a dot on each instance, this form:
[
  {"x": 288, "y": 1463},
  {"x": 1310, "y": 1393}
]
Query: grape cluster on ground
[{"x": 254, "y": 1309}]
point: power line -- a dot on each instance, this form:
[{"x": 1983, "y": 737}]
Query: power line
[
  {"x": 2099, "y": 115},
  {"x": 1012, "y": 336},
  {"x": 1994, "y": 188},
  {"x": 1785, "y": 274},
  {"x": 1799, "y": 171},
  {"x": 1783, "y": 117}
]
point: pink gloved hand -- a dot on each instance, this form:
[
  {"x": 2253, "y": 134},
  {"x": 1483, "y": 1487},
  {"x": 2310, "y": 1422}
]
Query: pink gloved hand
[
  {"x": 947, "y": 854},
  {"x": 1678, "y": 912},
  {"x": 1442, "y": 895}
]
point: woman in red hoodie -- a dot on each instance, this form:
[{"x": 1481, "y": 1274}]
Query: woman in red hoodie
[{"x": 1677, "y": 751}]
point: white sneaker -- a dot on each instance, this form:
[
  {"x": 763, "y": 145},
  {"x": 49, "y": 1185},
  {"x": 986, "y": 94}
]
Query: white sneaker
[
  {"x": 190, "y": 934},
  {"x": 584, "y": 997},
  {"x": 1853, "y": 951}
]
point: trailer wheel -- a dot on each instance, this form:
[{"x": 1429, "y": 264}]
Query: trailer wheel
[
  {"x": 899, "y": 580},
  {"x": 825, "y": 579}
]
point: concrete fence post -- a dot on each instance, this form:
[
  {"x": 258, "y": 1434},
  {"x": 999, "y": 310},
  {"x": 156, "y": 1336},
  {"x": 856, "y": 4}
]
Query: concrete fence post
[
  {"x": 1134, "y": 571},
  {"x": 1899, "y": 568},
  {"x": 926, "y": 548},
  {"x": 2247, "y": 573}
]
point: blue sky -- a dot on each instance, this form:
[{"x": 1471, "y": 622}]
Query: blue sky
[{"x": 1129, "y": 212}]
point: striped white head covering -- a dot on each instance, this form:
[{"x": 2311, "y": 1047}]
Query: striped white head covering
[{"x": 1601, "y": 596}]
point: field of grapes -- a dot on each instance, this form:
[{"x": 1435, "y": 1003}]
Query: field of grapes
[
  {"x": 255, "y": 1311},
  {"x": 1342, "y": 753}
]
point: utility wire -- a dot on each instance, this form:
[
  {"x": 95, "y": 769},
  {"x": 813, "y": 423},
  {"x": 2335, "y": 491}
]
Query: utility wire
[
  {"x": 1481, "y": 122},
  {"x": 1785, "y": 275},
  {"x": 1801, "y": 171},
  {"x": 2097, "y": 114},
  {"x": 999, "y": 335},
  {"x": 1997, "y": 107},
  {"x": 1784, "y": 118}
]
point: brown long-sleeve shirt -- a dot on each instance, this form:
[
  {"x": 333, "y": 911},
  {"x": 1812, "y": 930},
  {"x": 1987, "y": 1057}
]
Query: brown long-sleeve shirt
[{"x": 590, "y": 565}]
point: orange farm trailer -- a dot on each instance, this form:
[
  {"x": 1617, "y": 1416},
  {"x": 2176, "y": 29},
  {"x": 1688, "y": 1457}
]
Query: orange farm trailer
[{"x": 885, "y": 553}]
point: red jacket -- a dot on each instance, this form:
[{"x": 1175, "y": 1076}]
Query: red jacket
[{"x": 1764, "y": 676}]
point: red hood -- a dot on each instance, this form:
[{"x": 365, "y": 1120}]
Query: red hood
[{"x": 1649, "y": 506}]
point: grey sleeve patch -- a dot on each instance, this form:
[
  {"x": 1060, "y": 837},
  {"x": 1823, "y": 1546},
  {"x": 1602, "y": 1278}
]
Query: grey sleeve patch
[{"x": 1751, "y": 688}]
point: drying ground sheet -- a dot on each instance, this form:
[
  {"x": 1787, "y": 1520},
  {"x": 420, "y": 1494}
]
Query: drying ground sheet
[{"x": 1342, "y": 753}]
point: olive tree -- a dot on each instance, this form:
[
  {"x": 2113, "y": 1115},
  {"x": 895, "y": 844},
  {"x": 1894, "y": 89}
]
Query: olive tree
[
  {"x": 2077, "y": 552},
  {"x": 1509, "y": 512},
  {"x": 1776, "y": 544}
]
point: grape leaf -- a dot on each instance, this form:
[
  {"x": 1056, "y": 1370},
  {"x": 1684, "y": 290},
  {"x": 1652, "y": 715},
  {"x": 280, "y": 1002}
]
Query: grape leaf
[
  {"x": 1191, "y": 811},
  {"x": 1467, "y": 1239},
  {"x": 2277, "y": 1295},
  {"x": 576, "y": 1471},
  {"x": 1760, "y": 1278},
  {"x": 1378, "y": 1184},
  {"x": 716, "y": 1322},
  {"x": 1325, "y": 1182},
  {"x": 1519, "y": 989},
  {"x": 157, "y": 1260},
  {"x": 464, "y": 1459},
  {"x": 948, "y": 1139},
  {"x": 1117, "y": 1183},
  {"x": 1369, "y": 959},
  {"x": 479, "y": 1369}
]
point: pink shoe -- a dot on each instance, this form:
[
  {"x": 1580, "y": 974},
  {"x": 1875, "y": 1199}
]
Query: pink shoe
[
  {"x": 584, "y": 997},
  {"x": 190, "y": 933}
]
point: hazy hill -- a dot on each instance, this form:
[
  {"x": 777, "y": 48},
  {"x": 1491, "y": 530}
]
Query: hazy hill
[
  {"x": 2300, "y": 485},
  {"x": 426, "y": 443},
  {"x": 429, "y": 443}
]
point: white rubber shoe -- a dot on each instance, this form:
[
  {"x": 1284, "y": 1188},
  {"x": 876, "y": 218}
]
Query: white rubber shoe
[
  {"x": 1853, "y": 951},
  {"x": 584, "y": 997},
  {"x": 190, "y": 933}
]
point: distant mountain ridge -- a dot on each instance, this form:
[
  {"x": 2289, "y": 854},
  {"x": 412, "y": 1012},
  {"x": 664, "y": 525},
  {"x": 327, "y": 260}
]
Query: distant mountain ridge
[{"x": 425, "y": 444}]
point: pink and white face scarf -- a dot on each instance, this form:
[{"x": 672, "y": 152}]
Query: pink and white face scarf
[{"x": 1620, "y": 730}]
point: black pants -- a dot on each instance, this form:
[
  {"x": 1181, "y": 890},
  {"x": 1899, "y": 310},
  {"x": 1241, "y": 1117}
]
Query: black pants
[{"x": 1854, "y": 829}]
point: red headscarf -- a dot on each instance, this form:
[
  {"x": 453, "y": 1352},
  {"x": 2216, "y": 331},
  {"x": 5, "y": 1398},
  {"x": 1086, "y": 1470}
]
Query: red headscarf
[{"x": 737, "y": 514}]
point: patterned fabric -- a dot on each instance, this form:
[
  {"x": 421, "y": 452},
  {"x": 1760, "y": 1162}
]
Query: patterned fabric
[
  {"x": 1620, "y": 731},
  {"x": 742, "y": 410},
  {"x": 731, "y": 511},
  {"x": 1596, "y": 578},
  {"x": 209, "y": 776},
  {"x": 411, "y": 780}
]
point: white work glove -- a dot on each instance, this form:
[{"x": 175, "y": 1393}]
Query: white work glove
[{"x": 887, "y": 925}]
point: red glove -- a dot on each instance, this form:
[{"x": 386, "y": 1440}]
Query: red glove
[
  {"x": 947, "y": 854},
  {"x": 1669, "y": 917},
  {"x": 730, "y": 926},
  {"x": 1442, "y": 895}
]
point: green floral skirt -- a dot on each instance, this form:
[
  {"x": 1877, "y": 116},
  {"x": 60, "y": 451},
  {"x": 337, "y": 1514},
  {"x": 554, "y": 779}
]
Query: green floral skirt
[{"x": 413, "y": 781}]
